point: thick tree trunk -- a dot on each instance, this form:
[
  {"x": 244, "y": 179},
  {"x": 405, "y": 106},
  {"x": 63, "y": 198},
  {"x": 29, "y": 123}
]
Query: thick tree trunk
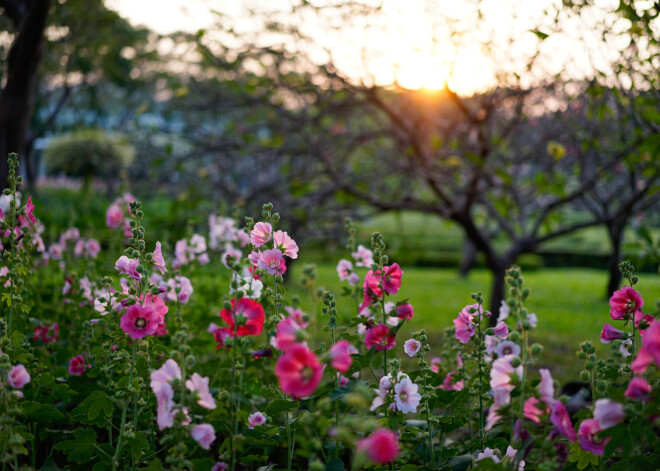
[
  {"x": 497, "y": 289},
  {"x": 615, "y": 231},
  {"x": 469, "y": 258},
  {"x": 18, "y": 96}
]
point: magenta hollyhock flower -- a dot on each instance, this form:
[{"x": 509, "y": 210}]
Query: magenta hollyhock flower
[
  {"x": 289, "y": 332},
  {"x": 624, "y": 302},
  {"x": 405, "y": 311},
  {"x": 450, "y": 382},
  {"x": 139, "y": 321},
  {"x": 47, "y": 333},
  {"x": 531, "y": 411},
  {"x": 363, "y": 257},
  {"x": 248, "y": 314},
  {"x": 340, "y": 355},
  {"x": 221, "y": 335},
  {"x": 381, "y": 447},
  {"x": 204, "y": 434},
  {"x": 392, "y": 278},
  {"x": 608, "y": 413},
  {"x": 588, "y": 437},
  {"x": 158, "y": 260},
  {"x": 286, "y": 244},
  {"x": 559, "y": 418},
  {"x": 298, "y": 315},
  {"x": 270, "y": 260},
  {"x": 380, "y": 336},
  {"x": 610, "y": 333},
  {"x": 464, "y": 327},
  {"x": 411, "y": 347},
  {"x": 650, "y": 350},
  {"x": 256, "y": 419},
  {"x": 200, "y": 385},
  {"x": 547, "y": 387},
  {"x": 501, "y": 330},
  {"x": 77, "y": 365},
  {"x": 643, "y": 322},
  {"x": 344, "y": 269},
  {"x": 128, "y": 266},
  {"x": 114, "y": 216},
  {"x": 641, "y": 361},
  {"x": 639, "y": 389},
  {"x": 298, "y": 371},
  {"x": 372, "y": 289},
  {"x": 18, "y": 377},
  {"x": 28, "y": 218},
  {"x": 261, "y": 233}
]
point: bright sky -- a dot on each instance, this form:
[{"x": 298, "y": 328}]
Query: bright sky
[{"x": 417, "y": 50}]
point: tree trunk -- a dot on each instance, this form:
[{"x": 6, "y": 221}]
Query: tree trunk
[
  {"x": 615, "y": 231},
  {"x": 18, "y": 96},
  {"x": 469, "y": 258},
  {"x": 497, "y": 289}
]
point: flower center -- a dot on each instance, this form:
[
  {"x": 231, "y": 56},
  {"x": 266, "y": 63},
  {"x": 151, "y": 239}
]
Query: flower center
[
  {"x": 404, "y": 397},
  {"x": 307, "y": 374},
  {"x": 140, "y": 322}
]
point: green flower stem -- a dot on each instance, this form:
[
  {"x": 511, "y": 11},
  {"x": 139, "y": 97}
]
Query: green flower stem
[
  {"x": 481, "y": 384},
  {"x": 232, "y": 410},
  {"x": 115, "y": 463}
]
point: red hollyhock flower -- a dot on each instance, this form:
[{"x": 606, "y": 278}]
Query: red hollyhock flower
[
  {"x": 248, "y": 314},
  {"x": 380, "y": 336}
]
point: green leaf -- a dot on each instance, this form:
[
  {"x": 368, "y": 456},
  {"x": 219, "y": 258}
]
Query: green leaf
[
  {"x": 460, "y": 463},
  {"x": 138, "y": 445},
  {"x": 81, "y": 449},
  {"x": 96, "y": 409},
  {"x": 41, "y": 413},
  {"x": 280, "y": 405},
  {"x": 335, "y": 465},
  {"x": 154, "y": 465},
  {"x": 540, "y": 34}
]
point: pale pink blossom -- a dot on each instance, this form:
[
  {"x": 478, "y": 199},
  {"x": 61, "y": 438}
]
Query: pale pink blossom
[
  {"x": 261, "y": 233},
  {"x": 114, "y": 216},
  {"x": 411, "y": 347},
  {"x": 487, "y": 453},
  {"x": 363, "y": 257},
  {"x": 344, "y": 269},
  {"x": 608, "y": 413},
  {"x": 128, "y": 266},
  {"x": 164, "y": 375},
  {"x": 270, "y": 260},
  {"x": 200, "y": 385},
  {"x": 256, "y": 419},
  {"x": 638, "y": 389},
  {"x": 165, "y": 400},
  {"x": 406, "y": 396},
  {"x": 286, "y": 244},
  {"x": 18, "y": 377},
  {"x": 547, "y": 387},
  {"x": 501, "y": 330},
  {"x": 158, "y": 260},
  {"x": 464, "y": 327}
]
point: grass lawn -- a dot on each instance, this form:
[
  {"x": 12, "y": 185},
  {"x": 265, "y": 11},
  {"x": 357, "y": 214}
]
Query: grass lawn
[{"x": 569, "y": 303}]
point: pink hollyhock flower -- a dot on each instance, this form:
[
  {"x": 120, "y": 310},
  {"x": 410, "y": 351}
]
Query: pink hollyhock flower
[
  {"x": 204, "y": 434},
  {"x": 181, "y": 253},
  {"x": 625, "y": 302},
  {"x": 286, "y": 244},
  {"x": 79, "y": 248},
  {"x": 638, "y": 389},
  {"x": 641, "y": 361},
  {"x": 230, "y": 256},
  {"x": 608, "y": 413},
  {"x": 158, "y": 260},
  {"x": 256, "y": 419},
  {"x": 372, "y": 289},
  {"x": 47, "y": 333},
  {"x": 411, "y": 347},
  {"x": 261, "y": 233},
  {"x": 114, "y": 216},
  {"x": 29, "y": 214},
  {"x": 55, "y": 251},
  {"x": 288, "y": 333},
  {"x": 487, "y": 453},
  {"x": 270, "y": 260},
  {"x": 511, "y": 454},
  {"x": 220, "y": 466},
  {"x": 380, "y": 337},
  {"x": 180, "y": 289},
  {"x": 450, "y": 382},
  {"x": 198, "y": 244},
  {"x": 381, "y": 447},
  {"x": 164, "y": 375},
  {"x": 92, "y": 248},
  {"x": 559, "y": 418},
  {"x": 501, "y": 330},
  {"x": 435, "y": 364},
  {"x": 532, "y": 412},
  {"x": 298, "y": 315},
  {"x": 405, "y": 311},
  {"x": 353, "y": 279},
  {"x": 501, "y": 375},
  {"x": 650, "y": 350},
  {"x": 406, "y": 396},
  {"x": 165, "y": 400},
  {"x": 464, "y": 327},
  {"x": 77, "y": 365},
  {"x": 139, "y": 321},
  {"x": 588, "y": 437},
  {"x": 643, "y": 322},
  {"x": 344, "y": 269},
  {"x": 363, "y": 257},
  {"x": 610, "y": 333},
  {"x": 221, "y": 336},
  {"x": 299, "y": 371},
  {"x": 248, "y": 314},
  {"x": 340, "y": 355},
  {"x": 18, "y": 377},
  {"x": 547, "y": 387},
  {"x": 254, "y": 258},
  {"x": 200, "y": 385},
  {"x": 507, "y": 347},
  {"x": 392, "y": 278},
  {"x": 128, "y": 266}
]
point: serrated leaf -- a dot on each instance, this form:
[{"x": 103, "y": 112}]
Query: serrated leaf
[
  {"x": 81, "y": 449},
  {"x": 41, "y": 413}
]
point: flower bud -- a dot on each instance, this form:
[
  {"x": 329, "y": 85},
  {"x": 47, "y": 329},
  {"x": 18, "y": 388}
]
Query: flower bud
[
  {"x": 537, "y": 349},
  {"x": 585, "y": 375}
]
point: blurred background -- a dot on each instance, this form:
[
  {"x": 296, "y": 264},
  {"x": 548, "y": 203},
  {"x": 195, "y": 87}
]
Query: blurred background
[{"x": 472, "y": 134}]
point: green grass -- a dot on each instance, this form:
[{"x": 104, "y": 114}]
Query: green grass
[{"x": 570, "y": 305}]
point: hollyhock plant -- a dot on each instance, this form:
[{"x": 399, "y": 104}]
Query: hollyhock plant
[
  {"x": 164, "y": 375},
  {"x": 221, "y": 335},
  {"x": 381, "y": 447},
  {"x": 624, "y": 302},
  {"x": 140, "y": 321},
  {"x": 650, "y": 350},
  {"x": 204, "y": 434},
  {"x": 298, "y": 315},
  {"x": 179, "y": 289},
  {"x": 248, "y": 314},
  {"x": 286, "y": 244},
  {"x": 411, "y": 347},
  {"x": 380, "y": 337},
  {"x": 256, "y": 419},
  {"x": 546, "y": 387},
  {"x": 298, "y": 371},
  {"x": 507, "y": 348},
  {"x": 77, "y": 365},
  {"x": 165, "y": 405},
  {"x": 18, "y": 377},
  {"x": 47, "y": 333},
  {"x": 340, "y": 355},
  {"x": 261, "y": 234},
  {"x": 588, "y": 437}
]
